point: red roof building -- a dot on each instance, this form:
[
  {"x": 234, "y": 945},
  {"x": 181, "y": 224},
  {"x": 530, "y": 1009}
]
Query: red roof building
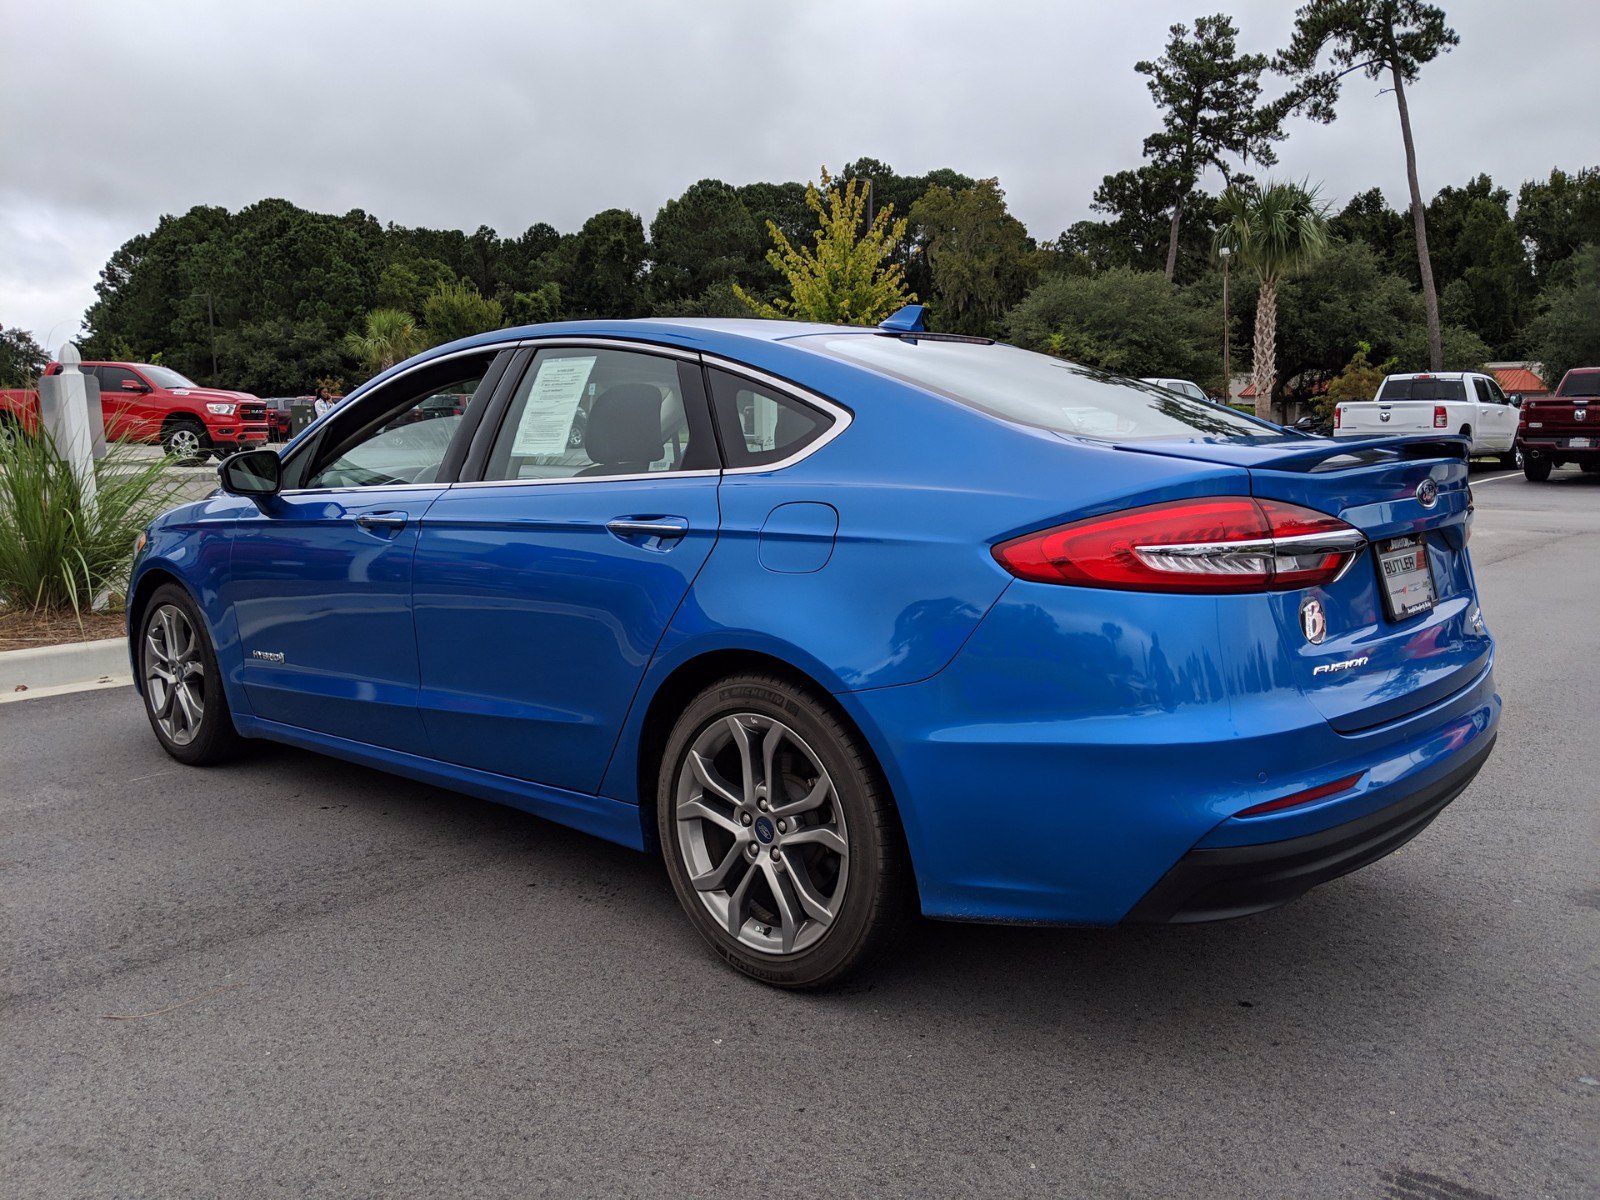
[{"x": 1519, "y": 381}]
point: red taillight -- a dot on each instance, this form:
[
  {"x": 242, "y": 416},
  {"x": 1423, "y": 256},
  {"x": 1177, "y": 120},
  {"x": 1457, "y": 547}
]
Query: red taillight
[
  {"x": 1338, "y": 416},
  {"x": 1219, "y": 545},
  {"x": 1441, "y": 419},
  {"x": 1305, "y": 797}
]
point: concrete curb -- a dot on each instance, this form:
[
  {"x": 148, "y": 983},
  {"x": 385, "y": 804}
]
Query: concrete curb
[{"x": 52, "y": 666}]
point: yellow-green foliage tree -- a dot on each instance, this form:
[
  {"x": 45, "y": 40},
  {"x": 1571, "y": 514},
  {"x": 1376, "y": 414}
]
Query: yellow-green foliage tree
[
  {"x": 1359, "y": 380},
  {"x": 846, "y": 278}
]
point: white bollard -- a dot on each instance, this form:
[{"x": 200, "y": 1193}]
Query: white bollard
[{"x": 64, "y": 413}]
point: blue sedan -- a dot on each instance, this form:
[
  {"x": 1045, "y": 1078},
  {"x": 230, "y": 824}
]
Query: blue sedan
[{"x": 844, "y": 623}]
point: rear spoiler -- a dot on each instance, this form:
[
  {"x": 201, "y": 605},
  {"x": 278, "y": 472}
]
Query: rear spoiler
[
  {"x": 1309, "y": 455},
  {"x": 1350, "y": 452}
]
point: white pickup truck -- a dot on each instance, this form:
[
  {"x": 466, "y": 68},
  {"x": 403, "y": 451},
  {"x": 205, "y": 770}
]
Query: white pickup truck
[{"x": 1462, "y": 402}]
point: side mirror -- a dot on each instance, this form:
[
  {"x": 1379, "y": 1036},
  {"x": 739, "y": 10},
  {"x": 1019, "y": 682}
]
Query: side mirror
[
  {"x": 1306, "y": 423},
  {"x": 252, "y": 473},
  {"x": 1516, "y": 401},
  {"x": 133, "y": 385}
]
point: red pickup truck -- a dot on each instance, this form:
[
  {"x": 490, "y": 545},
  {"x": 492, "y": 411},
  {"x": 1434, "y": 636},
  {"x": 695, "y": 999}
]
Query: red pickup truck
[
  {"x": 146, "y": 403},
  {"x": 1562, "y": 428}
]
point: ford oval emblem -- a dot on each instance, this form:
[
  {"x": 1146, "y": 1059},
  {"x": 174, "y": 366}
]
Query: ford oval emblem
[{"x": 1427, "y": 493}]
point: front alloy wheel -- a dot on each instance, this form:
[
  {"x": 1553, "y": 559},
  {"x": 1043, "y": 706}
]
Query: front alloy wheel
[
  {"x": 779, "y": 834},
  {"x": 174, "y": 675},
  {"x": 182, "y": 687}
]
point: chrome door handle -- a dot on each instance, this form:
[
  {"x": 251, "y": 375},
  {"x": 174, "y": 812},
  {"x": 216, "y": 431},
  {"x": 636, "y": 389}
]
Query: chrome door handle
[
  {"x": 382, "y": 520},
  {"x": 667, "y": 528}
]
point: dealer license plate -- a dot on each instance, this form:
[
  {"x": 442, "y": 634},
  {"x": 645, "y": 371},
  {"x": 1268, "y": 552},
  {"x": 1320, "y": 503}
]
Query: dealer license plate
[{"x": 1403, "y": 572}]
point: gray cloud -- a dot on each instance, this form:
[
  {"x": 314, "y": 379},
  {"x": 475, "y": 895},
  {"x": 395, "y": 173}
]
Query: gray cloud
[{"x": 508, "y": 114}]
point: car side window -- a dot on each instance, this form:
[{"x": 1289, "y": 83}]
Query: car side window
[
  {"x": 112, "y": 378},
  {"x": 1495, "y": 392},
  {"x": 591, "y": 412},
  {"x": 760, "y": 425},
  {"x": 399, "y": 433}
]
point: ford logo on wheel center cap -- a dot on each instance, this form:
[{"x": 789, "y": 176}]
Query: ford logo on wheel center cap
[
  {"x": 764, "y": 829},
  {"x": 1427, "y": 493}
]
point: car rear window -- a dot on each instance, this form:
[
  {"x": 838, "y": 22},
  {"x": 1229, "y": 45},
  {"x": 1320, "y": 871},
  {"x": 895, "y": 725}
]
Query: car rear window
[
  {"x": 1423, "y": 388},
  {"x": 1035, "y": 389},
  {"x": 1587, "y": 384}
]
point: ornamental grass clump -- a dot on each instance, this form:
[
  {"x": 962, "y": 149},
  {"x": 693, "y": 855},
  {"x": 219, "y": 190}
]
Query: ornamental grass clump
[{"x": 61, "y": 550}]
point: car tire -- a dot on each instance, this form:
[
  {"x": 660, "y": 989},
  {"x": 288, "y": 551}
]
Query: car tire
[
  {"x": 797, "y": 893},
  {"x": 1512, "y": 459},
  {"x": 1589, "y": 467},
  {"x": 180, "y": 682},
  {"x": 1535, "y": 469}
]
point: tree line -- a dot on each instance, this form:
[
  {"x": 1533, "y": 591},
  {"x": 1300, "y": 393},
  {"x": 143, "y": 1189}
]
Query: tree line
[{"x": 274, "y": 298}]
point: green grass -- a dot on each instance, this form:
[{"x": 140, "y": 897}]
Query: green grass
[{"x": 58, "y": 552}]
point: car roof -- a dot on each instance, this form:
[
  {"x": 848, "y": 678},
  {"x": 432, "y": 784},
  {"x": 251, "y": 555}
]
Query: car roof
[
  {"x": 713, "y": 335},
  {"x": 1433, "y": 374}
]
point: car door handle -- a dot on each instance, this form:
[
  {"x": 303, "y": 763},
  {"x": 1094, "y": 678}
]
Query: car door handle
[
  {"x": 382, "y": 520},
  {"x": 668, "y": 529}
]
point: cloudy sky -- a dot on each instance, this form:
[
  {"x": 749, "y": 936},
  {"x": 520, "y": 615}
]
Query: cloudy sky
[{"x": 505, "y": 114}]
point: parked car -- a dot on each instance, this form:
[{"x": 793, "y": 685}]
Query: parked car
[
  {"x": 280, "y": 415},
  {"x": 1563, "y": 427},
  {"x": 1461, "y": 402},
  {"x": 148, "y": 403},
  {"x": 1182, "y": 386},
  {"x": 841, "y": 621}
]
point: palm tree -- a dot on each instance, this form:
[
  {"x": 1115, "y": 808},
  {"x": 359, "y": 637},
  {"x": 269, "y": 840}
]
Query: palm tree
[
  {"x": 1274, "y": 230},
  {"x": 391, "y": 335}
]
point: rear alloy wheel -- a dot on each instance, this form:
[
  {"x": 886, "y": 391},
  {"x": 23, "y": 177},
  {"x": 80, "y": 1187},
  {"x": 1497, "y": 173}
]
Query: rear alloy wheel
[
  {"x": 1535, "y": 469},
  {"x": 186, "y": 442},
  {"x": 182, "y": 688},
  {"x": 779, "y": 837}
]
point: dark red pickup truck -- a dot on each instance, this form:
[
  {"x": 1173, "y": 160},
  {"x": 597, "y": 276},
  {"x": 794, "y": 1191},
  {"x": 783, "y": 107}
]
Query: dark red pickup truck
[
  {"x": 1562, "y": 428},
  {"x": 146, "y": 403}
]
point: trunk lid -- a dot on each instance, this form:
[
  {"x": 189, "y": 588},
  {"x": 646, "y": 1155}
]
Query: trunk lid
[
  {"x": 1370, "y": 668},
  {"x": 1385, "y": 417}
]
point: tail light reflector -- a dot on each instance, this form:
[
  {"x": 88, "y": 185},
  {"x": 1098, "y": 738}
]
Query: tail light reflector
[
  {"x": 1217, "y": 545},
  {"x": 1305, "y": 797},
  {"x": 1441, "y": 419}
]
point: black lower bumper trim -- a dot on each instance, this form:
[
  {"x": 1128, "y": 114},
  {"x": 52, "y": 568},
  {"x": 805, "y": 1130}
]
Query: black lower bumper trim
[{"x": 1215, "y": 884}]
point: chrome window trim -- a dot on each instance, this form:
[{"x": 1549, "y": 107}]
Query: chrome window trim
[
  {"x": 659, "y": 476},
  {"x": 559, "y": 341},
  {"x": 842, "y": 416},
  {"x": 301, "y": 440}
]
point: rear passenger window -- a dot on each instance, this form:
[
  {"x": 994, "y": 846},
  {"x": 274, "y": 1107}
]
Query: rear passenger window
[
  {"x": 761, "y": 426},
  {"x": 590, "y": 412}
]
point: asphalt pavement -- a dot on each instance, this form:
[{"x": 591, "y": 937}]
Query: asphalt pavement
[{"x": 296, "y": 977}]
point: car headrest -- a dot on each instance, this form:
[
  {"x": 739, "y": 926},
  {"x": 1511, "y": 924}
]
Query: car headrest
[{"x": 624, "y": 425}]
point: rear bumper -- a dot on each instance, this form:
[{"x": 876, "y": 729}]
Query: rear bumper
[
  {"x": 1068, "y": 759},
  {"x": 1214, "y": 884},
  {"x": 1557, "y": 450}
]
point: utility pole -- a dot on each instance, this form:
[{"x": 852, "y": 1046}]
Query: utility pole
[
  {"x": 1227, "y": 334},
  {"x": 210, "y": 320}
]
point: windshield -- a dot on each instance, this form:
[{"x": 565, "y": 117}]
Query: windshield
[
  {"x": 1423, "y": 387},
  {"x": 166, "y": 377},
  {"x": 1587, "y": 384},
  {"x": 1035, "y": 389}
]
